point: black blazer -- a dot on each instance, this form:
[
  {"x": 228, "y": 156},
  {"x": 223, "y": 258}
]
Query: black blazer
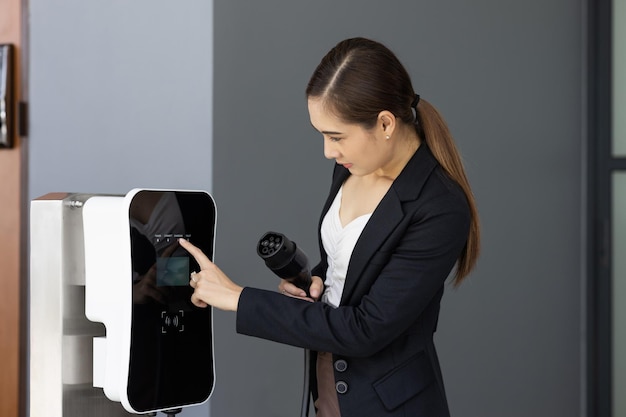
[{"x": 381, "y": 335}]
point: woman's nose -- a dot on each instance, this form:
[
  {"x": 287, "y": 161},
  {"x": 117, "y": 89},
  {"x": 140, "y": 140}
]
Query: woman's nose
[{"x": 330, "y": 151}]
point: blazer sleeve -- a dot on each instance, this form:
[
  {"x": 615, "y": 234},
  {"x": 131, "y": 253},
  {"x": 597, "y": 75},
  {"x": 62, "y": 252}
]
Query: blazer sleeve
[{"x": 406, "y": 275}]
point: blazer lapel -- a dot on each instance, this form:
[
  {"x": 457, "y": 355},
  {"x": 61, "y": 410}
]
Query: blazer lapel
[
  {"x": 387, "y": 215},
  {"x": 382, "y": 222}
]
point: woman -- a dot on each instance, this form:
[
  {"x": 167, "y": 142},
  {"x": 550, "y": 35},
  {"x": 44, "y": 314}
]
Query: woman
[{"x": 400, "y": 215}]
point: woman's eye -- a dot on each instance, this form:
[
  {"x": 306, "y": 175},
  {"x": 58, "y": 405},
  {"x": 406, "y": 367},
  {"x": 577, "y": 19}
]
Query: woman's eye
[{"x": 333, "y": 139}]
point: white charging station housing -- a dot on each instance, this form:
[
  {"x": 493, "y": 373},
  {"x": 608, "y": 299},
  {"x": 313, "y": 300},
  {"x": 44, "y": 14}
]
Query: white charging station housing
[{"x": 158, "y": 350}]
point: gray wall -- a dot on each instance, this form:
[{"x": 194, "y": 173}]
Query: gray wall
[
  {"x": 507, "y": 75},
  {"x": 121, "y": 97}
]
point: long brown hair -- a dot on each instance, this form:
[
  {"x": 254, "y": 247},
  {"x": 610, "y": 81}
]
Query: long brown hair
[{"x": 357, "y": 80}]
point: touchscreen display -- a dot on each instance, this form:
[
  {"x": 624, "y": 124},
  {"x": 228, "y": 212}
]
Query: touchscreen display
[{"x": 172, "y": 271}]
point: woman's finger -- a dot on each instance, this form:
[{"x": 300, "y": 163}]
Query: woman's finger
[
  {"x": 317, "y": 287},
  {"x": 194, "y": 251},
  {"x": 197, "y": 301},
  {"x": 288, "y": 288}
]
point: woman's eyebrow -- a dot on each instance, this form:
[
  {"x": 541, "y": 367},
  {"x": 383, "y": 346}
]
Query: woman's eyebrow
[{"x": 327, "y": 132}]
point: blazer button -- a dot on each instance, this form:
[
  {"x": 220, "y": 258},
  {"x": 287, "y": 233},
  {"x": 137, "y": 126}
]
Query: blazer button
[
  {"x": 341, "y": 387},
  {"x": 341, "y": 365}
]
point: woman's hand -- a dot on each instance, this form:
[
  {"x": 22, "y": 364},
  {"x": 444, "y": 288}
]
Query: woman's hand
[
  {"x": 316, "y": 288},
  {"x": 211, "y": 286}
]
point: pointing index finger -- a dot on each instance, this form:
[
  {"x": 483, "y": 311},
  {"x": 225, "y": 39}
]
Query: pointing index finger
[{"x": 194, "y": 251}]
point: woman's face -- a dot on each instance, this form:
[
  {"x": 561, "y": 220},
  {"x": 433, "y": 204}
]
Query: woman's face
[{"x": 360, "y": 150}]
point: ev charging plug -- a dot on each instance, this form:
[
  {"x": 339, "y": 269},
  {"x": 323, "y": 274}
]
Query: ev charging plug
[{"x": 285, "y": 259}]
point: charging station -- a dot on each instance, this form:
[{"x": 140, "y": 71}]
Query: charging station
[{"x": 111, "y": 321}]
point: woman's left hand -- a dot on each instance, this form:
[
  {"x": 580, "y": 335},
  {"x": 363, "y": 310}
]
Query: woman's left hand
[
  {"x": 211, "y": 285},
  {"x": 316, "y": 289}
]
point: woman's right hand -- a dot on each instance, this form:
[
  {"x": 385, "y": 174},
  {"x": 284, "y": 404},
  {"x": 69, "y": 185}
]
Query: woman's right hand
[{"x": 316, "y": 288}]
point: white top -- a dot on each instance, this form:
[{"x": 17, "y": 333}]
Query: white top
[{"x": 339, "y": 242}]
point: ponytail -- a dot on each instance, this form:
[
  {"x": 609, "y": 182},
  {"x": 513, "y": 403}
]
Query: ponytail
[{"x": 438, "y": 138}]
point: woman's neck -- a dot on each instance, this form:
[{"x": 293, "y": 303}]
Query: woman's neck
[{"x": 405, "y": 147}]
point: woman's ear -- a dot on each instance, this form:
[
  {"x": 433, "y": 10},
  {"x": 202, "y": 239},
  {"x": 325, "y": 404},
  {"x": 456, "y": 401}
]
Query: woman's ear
[{"x": 386, "y": 123}]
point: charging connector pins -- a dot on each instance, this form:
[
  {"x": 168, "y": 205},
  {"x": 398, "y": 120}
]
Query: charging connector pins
[{"x": 271, "y": 245}]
